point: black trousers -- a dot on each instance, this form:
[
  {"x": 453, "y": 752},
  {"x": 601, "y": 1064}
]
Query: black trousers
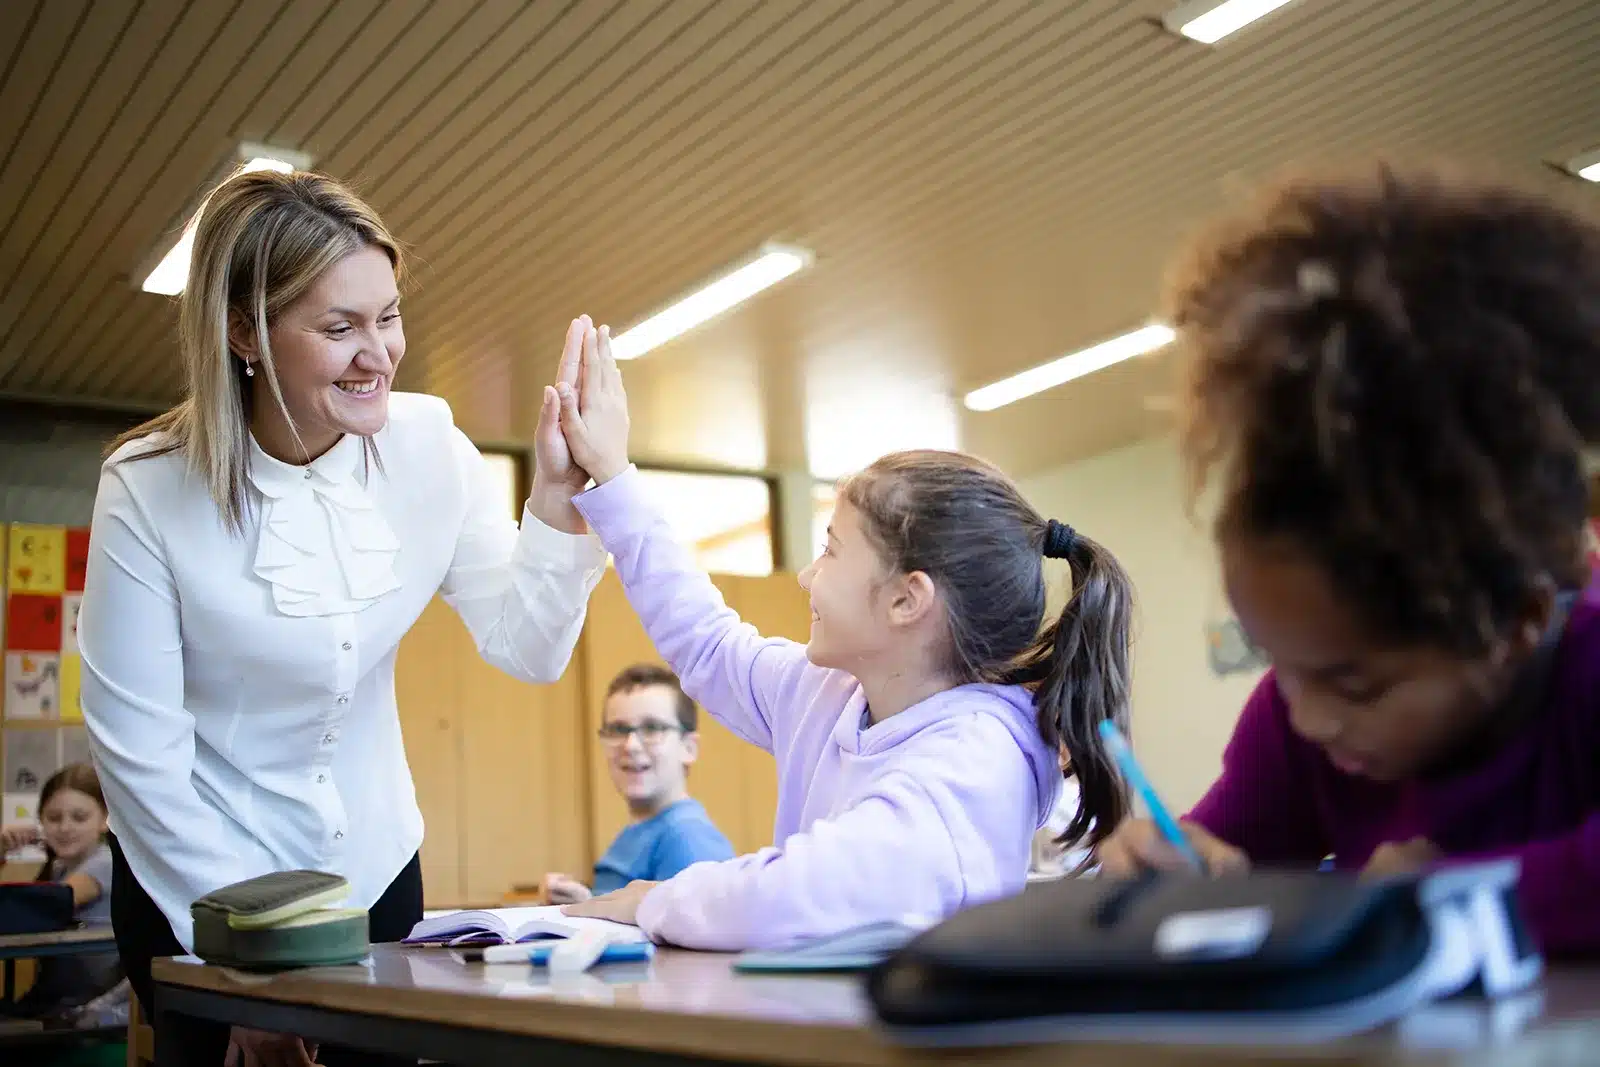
[{"x": 143, "y": 933}]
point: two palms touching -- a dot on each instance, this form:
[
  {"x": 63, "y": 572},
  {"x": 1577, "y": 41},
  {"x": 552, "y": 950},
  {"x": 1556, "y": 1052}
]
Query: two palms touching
[{"x": 583, "y": 420}]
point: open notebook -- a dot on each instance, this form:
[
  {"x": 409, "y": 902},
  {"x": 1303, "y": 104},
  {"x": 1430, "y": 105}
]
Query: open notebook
[{"x": 511, "y": 926}]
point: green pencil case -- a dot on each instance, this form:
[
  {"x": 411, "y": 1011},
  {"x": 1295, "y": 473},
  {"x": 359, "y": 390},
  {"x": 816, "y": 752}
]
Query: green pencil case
[{"x": 280, "y": 921}]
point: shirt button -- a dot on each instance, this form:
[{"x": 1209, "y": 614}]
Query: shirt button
[
  {"x": 321, "y": 778},
  {"x": 344, "y": 698},
  {"x": 338, "y": 835},
  {"x": 308, "y": 472},
  {"x": 347, "y": 646},
  {"x": 327, "y": 739}
]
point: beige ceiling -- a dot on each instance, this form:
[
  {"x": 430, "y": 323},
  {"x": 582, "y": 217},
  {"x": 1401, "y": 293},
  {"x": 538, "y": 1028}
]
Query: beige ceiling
[{"x": 986, "y": 183}]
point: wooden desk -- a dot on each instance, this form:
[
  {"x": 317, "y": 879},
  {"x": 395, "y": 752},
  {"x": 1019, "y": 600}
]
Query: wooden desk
[
  {"x": 13, "y": 947},
  {"x": 81, "y": 939},
  {"x": 691, "y": 1008},
  {"x": 57, "y": 943}
]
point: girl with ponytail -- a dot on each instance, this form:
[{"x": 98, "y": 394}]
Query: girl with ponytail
[{"x": 920, "y": 734}]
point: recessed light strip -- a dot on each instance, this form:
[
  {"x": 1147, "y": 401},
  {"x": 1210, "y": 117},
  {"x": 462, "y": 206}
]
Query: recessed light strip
[
  {"x": 172, "y": 273},
  {"x": 769, "y": 267},
  {"x": 1209, "y": 21},
  {"x": 1073, "y": 365},
  {"x": 1585, "y": 166}
]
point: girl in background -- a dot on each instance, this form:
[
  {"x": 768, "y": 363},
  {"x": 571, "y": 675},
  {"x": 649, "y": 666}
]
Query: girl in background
[
  {"x": 72, "y": 829},
  {"x": 1391, "y": 381},
  {"x": 917, "y": 733}
]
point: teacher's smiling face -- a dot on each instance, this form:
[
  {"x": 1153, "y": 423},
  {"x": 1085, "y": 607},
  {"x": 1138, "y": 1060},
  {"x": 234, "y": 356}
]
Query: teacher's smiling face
[{"x": 335, "y": 350}]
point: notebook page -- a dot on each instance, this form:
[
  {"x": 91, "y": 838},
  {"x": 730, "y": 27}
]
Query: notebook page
[
  {"x": 549, "y": 922},
  {"x": 501, "y": 921}
]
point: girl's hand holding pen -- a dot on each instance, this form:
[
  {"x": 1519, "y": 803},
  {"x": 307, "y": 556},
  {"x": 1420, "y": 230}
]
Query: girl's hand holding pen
[{"x": 1138, "y": 846}]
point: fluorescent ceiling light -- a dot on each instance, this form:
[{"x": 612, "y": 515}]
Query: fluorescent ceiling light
[
  {"x": 770, "y": 266},
  {"x": 1586, "y": 166},
  {"x": 1073, "y": 365},
  {"x": 1209, "y": 21},
  {"x": 172, "y": 273}
]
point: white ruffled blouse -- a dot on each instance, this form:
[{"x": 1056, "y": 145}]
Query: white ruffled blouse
[
  {"x": 323, "y": 546},
  {"x": 239, "y": 688}
]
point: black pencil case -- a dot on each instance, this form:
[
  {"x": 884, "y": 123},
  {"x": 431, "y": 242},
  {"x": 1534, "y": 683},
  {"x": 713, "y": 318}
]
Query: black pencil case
[{"x": 1271, "y": 942}]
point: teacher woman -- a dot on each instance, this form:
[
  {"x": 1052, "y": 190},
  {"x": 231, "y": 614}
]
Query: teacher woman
[{"x": 259, "y": 551}]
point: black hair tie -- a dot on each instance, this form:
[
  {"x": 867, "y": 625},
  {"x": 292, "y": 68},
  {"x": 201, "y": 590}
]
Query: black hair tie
[{"x": 1059, "y": 540}]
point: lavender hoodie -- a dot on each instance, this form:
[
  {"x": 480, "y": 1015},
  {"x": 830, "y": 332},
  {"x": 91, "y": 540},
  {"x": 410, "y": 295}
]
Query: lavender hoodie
[{"x": 927, "y": 812}]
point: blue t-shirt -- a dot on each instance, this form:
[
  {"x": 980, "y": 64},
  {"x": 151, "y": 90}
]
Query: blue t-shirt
[{"x": 659, "y": 847}]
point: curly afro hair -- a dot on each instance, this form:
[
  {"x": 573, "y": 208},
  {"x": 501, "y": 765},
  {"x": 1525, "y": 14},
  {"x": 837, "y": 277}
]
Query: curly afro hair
[{"x": 1398, "y": 373}]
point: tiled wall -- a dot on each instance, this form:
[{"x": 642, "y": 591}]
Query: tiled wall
[{"x": 50, "y": 462}]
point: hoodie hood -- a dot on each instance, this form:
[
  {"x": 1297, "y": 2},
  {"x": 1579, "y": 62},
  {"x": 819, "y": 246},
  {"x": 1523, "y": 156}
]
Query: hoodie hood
[{"x": 1011, "y": 706}]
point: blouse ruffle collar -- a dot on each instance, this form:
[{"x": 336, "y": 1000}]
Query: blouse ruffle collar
[{"x": 324, "y": 547}]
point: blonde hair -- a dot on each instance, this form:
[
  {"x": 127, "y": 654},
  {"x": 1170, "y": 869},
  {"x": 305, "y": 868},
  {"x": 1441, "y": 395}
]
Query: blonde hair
[{"x": 262, "y": 240}]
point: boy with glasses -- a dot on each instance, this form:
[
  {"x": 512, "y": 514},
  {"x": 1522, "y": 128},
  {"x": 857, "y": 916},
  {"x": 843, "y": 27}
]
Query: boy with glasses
[{"x": 648, "y": 730}]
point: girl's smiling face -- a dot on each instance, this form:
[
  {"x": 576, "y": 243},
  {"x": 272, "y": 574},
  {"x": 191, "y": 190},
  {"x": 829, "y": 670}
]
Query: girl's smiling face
[{"x": 73, "y": 823}]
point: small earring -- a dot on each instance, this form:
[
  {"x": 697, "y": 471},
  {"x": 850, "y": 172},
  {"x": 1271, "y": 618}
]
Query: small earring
[{"x": 249, "y": 370}]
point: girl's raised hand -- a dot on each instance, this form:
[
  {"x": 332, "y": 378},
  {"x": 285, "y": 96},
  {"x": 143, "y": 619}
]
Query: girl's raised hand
[{"x": 594, "y": 415}]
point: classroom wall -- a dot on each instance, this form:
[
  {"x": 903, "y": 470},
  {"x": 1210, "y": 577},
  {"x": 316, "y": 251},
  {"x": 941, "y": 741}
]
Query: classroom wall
[
  {"x": 1131, "y": 500},
  {"x": 50, "y": 462},
  {"x": 41, "y": 718}
]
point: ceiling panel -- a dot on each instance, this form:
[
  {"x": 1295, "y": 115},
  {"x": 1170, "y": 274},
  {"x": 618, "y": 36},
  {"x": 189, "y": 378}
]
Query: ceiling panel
[{"x": 986, "y": 184}]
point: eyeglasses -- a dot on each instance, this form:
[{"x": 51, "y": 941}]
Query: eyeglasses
[{"x": 651, "y": 733}]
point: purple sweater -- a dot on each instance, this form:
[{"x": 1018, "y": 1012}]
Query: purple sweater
[
  {"x": 1282, "y": 802},
  {"x": 926, "y": 812}
]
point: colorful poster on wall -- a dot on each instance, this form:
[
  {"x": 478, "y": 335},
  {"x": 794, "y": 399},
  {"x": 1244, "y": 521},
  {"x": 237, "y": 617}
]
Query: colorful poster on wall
[
  {"x": 33, "y": 622},
  {"x": 71, "y": 706},
  {"x": 71, "y": 688},
  {"x": 71, "y": 604},
  {"x": 21, "y": 807},
  {"x": 37, "y": 560},
  {"x": 31, "y": 756},
  {"x": 33, "y": 685},
  {"x": 77, "y": 547}
]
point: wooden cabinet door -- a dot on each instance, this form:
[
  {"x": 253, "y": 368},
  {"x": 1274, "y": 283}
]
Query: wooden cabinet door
[
  {"x": 525, "y": 783},
  {"x": 427, "y": 681}
]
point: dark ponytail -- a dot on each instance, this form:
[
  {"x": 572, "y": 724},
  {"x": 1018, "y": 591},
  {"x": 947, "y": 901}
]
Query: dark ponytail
[{"x": 1079, "y": 668}]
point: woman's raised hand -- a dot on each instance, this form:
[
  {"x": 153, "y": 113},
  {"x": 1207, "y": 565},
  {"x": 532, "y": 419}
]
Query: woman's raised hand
[
  {"x": 557, "y": 477},
  {"x": 594, "y": 412}
]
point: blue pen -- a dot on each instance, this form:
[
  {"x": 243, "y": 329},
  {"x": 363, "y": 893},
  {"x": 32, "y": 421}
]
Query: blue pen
[
  {"x": 539, "y": 952},
  {"x": 1122, "y": 752}
]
